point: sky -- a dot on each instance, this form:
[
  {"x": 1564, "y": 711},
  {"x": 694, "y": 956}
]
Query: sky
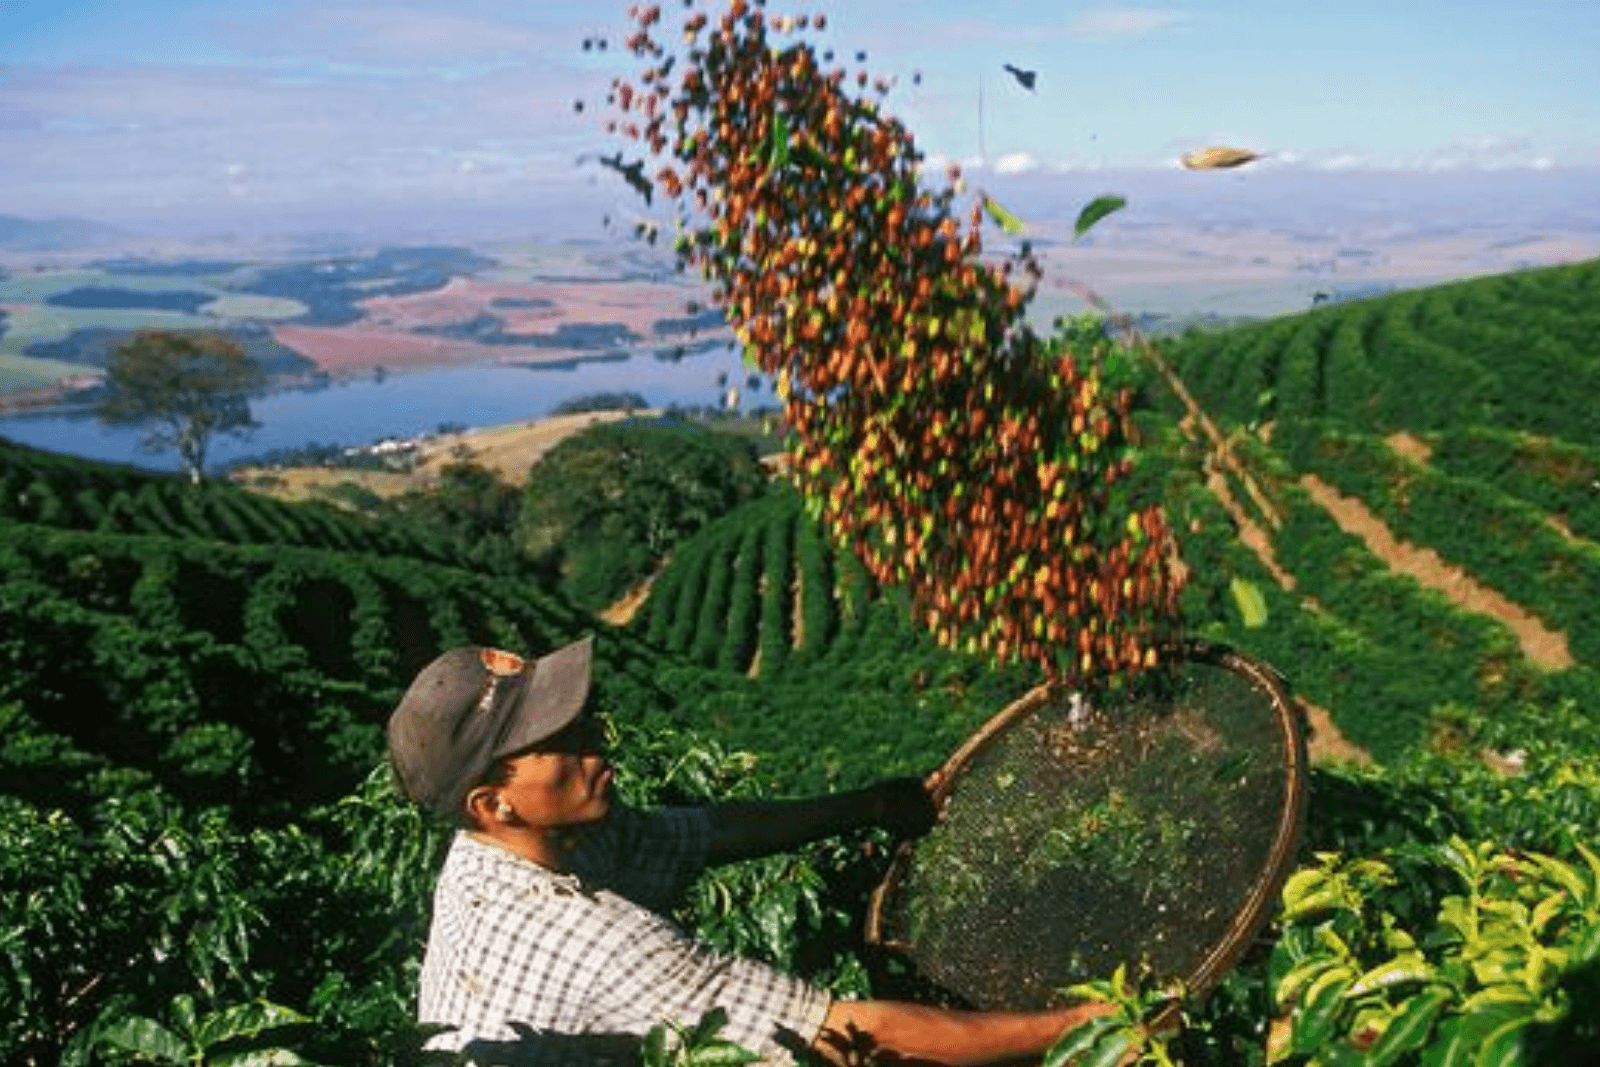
[{"x": 324, "y": 110}]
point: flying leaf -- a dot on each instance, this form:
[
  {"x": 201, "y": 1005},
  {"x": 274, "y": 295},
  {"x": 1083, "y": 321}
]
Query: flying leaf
[
  {"x": 1250, "y": 602},
  {"x": 1218, "y": 157},
  {"x": 1005, "y": 219},
  {"x": 1094, "y": 211},
  {"x": 778, "y": 145}
]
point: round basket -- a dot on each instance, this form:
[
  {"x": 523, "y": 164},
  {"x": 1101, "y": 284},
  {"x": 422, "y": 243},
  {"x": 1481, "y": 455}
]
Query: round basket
[{"x": 1151, "y": 826}]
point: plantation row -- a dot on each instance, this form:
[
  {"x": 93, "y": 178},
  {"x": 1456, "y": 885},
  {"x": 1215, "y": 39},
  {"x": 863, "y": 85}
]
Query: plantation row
[
  {"x": 1382, "y": 653},
  {"x": 727, "y": 599},
  {"x": 845, "y": 689},
  {"x": 37, "y": 487},
  {"x": 1504, "y": 542},
  {"x": 1517, "y": 351},
  {"x": 1562, "y": 480},
  {"x": 251, "y": 675}
]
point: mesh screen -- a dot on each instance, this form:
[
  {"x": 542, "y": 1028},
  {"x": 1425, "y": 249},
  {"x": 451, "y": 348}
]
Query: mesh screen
[{"x": 1092, "y": 831}]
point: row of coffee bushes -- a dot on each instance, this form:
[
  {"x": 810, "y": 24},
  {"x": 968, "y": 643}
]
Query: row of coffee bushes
[
  {"x": 1559, "y": 478},
  {"x": 1366, "y": 687},
  {"x": 251, "y": 676},
  {"x": 729, "y": 598},
  {"x": 52, "y": 490},
  {"x": 1515, "y": 350},
  {"x": 1231, "y": 373},
  {"x": 1543, "y": 356},
  {"x": 844, "y": 686},
  {"x": 1462, "y": 657},
  {"x": 705, "y": 602},
  {"x": 1504, "y": 542}
]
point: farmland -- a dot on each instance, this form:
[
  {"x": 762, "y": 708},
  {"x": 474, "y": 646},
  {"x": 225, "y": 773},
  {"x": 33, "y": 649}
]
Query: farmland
[
  {"x": 197, "y": 682},
  {"x": 394, "y": 308}
]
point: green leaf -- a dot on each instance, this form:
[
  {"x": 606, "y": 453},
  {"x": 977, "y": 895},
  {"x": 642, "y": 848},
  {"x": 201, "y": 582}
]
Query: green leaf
[
  {"x": 1562, "y": 873},
  {"x": 1503, "y": 1046},
  {"x": 1452, "y": 1046},
  {"x": 1323, "y": 900},
  {"x": 1003, "y": 218},
  {"x": 722, "y": 1054},
  {"x": 1593, "y": 861},
  {"x": 1079, "y": 1039},
  {"x": 1313, "y": 1021},
  {"x": 778, "y": 143},
  {"x": 1406, "y": 967},
  {"x": 1341, "y": 1054},
  {"x": 653, "y": 1053},
  {"x": 1410, "y": 1027},
  {"x": 1302, "y": 882},
  {"x": 1110, "y": 1049},
  {"x": 1252, "y": 605},
  {"x": 710, "y": 1024},
  {"x": 147, "y": 1038},
  {"x": 1290, "y": 985},
  {"x": 1094, "y": 211},
  {"x": 1587, "y": 948},
  {"x": 244, "y": 1020}
]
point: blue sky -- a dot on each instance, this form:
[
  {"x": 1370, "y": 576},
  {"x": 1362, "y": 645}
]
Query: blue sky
[{"x": 164, "y": 109}]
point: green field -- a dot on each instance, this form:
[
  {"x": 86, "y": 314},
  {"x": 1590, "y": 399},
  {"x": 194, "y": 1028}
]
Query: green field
[
  {"x": 24, "y": 372},
  {"x": 41, "y": 323}
]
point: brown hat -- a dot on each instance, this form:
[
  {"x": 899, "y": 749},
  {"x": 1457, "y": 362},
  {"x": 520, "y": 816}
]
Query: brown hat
[{"x": 473, "y": 705}]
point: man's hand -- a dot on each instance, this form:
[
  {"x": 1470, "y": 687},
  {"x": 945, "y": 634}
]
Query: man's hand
[{"x": 903, "y": 806}]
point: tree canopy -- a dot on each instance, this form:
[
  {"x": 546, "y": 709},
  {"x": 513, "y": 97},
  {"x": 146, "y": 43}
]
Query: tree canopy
[
  {"x": 605, "y": 506},
  {"x": 187, "y": 387}
]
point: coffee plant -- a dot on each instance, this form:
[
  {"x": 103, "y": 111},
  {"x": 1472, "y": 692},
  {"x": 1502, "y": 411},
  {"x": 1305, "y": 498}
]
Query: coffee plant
[{"x": 960, "y": 455}]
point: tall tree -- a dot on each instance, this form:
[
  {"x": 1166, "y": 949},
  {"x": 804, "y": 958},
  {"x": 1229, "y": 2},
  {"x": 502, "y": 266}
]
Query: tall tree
[{"x": 188, "y": 387}]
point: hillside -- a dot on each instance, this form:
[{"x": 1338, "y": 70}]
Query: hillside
[{"x": 196, "y": 679}]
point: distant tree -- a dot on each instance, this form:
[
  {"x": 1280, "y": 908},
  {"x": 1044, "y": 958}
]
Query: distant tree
[
  {"x": 188, "y": 387},
  {"x": 603, "y": 508}
]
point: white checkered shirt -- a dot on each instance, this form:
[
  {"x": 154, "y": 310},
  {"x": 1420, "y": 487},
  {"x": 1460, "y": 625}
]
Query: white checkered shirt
[{"x": 567, "y": 970}]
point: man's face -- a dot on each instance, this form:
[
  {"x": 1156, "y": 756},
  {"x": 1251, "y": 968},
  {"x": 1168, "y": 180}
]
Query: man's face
[{"x": 564, "y": 780}]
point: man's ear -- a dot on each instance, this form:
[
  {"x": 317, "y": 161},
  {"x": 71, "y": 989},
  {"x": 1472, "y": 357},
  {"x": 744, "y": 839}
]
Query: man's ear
[{"x": 485, "y": 807}]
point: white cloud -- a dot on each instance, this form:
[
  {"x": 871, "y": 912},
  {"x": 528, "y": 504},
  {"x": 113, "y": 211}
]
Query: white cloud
[
  {"x": 1122, "y": 22},
  {"x": 1485, "y": 151},
  {"x": 1071, "y": 166},
  {"x": 1016, "y": 163},
  {"x": 1345, "y": 161},
  {"x": 148, "y": 135}
]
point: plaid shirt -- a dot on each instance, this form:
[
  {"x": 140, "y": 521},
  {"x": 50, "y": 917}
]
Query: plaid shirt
[{"x": 562, "y": 970}]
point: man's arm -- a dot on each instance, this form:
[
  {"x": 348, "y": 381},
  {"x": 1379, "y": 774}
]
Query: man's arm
[
  {"x": 745, "y": 828},
  {"x": 923, "y": 1034}
]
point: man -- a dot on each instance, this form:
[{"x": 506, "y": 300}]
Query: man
[{"x": 548, "y": 944}]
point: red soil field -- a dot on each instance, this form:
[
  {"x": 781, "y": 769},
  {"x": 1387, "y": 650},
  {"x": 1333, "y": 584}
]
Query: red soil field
[
  {"x": 351, "y": 349},
  {"x": 636, "y": 305}
]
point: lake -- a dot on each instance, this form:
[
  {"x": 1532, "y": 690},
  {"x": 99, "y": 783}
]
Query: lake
[{"x": 361, "y": 411}]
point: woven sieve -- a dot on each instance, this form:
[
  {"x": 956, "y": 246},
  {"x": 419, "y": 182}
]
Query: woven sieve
[{"x": 1151, "y": 826}]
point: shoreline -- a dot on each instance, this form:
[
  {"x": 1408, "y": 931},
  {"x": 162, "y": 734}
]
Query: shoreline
[{"x": 53, "y": 400}]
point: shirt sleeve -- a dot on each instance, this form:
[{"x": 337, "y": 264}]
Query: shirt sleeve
[
  {"x": 650, "y": 858},
  {"x": 662, "y": 975}
]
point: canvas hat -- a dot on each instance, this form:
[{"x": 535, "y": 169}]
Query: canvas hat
[{"x": 472, "y": 706}]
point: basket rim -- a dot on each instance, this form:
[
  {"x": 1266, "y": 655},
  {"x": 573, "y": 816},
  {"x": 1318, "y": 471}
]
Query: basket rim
[{"x": 1253, "y": 912}]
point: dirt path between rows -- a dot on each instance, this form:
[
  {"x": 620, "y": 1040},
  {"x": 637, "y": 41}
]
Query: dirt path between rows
[
  {"x": 622, "y": 611},
  {"x": 1542, "y": 645}
]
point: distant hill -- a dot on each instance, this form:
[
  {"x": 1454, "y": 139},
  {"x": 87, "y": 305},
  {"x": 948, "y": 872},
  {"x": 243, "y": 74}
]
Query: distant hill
[
  {"x": 49, "y": 235},
  {"x": 93, "y": 345}
]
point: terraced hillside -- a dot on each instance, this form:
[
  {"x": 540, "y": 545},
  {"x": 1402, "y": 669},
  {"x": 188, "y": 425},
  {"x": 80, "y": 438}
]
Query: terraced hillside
[
  {"x": 193, "y": 684},
  {"x": 1341, "y": 448}
]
